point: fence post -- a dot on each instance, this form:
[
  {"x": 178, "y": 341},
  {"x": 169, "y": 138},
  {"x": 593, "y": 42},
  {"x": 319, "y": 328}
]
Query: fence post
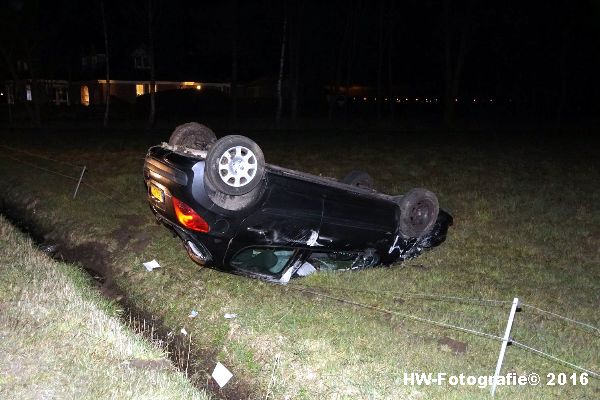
[
  {"x": 79, "y": 182},
  {"x": 505, "y": 342}
]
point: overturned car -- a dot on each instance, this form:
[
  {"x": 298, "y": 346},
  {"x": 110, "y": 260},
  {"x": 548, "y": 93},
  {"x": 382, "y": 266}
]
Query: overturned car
[{"x": 235, "y": 213}]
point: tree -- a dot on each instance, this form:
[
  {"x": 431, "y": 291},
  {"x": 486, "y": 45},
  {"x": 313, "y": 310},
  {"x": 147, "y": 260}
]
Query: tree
[
  {"x": 295, "y": 51},
  {"x": 234, "y": 61},
  {"x": 152, "y": 114},
  {"x": 107, "y": 94},
  {"x": 281, "y": 66},
  {"x": 380, "y": 61},
  {"x": 454, "y": 58}
]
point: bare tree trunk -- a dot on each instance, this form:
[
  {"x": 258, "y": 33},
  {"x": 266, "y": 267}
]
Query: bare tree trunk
[
  {"x": 563, "y": 78},
  {"x": 152, "y": 115},
  {"x": 35, "y": 95},
  {"x": 234, "y": 62},
  {"x": 380, "y": 63},
  {"x": 16, "y": 80},
  {"x": 356, "y": 15},
  {"x": 296, "y": 61},
  {"x": 338, "y": 74},
  {"x": 448, "y": 98},
  {"x": 281, "y": 65},
  {"x": 107, "y": 94},
  {"x": 391, "y": 21},
  {"x": 453, "y": 66}
]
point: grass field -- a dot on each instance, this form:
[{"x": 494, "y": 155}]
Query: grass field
[
  {"x": 527, "y": 225},
  {"x": 61, "y": 339}
]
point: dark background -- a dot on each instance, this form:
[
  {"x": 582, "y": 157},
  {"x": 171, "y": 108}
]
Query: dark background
[{"x": 516, "y": 59}]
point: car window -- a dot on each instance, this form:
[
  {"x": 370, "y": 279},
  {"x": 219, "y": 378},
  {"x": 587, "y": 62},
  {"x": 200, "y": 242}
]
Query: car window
[
  {"x": 332, "y": 261},
  {"x": 263, "y": 260}
]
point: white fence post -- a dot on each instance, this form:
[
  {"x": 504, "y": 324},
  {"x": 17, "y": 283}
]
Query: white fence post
[
  {"x": 79, "y": 182},
  {"x": 505, "y": 342}
]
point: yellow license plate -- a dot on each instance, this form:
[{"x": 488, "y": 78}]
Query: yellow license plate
[{"x": 157, "y": 193}]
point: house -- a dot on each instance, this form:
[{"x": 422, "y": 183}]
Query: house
[{"x": 88, "y": 85}]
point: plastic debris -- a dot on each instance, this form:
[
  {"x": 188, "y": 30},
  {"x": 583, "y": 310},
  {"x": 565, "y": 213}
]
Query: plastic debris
[
  {"x": 230, "y": 316},
  {"x": 193, "y": 314},
  {"x": 221, "y": 375},
  {"x": 49, "y": 248},
  {"x": 183, "y": 331},
  {"x": 151, "y": 265}
]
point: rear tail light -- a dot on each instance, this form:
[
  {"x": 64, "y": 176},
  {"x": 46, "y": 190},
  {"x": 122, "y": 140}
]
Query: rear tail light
[{"x": 188, "y": 217}]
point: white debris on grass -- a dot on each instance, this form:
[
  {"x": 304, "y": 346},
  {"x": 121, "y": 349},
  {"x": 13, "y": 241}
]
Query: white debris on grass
[
  {"x": 221, "y": 374},
  {"x": 152, "y": 265},
  {"x": 230, "y": 316},
  {"x": 183, "y": 331},
  {"x": 193, "y": 314}
]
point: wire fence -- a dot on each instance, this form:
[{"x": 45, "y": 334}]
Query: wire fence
[
  {"x": 591, "y": 373},
  {"x": 57, "y": 173}
]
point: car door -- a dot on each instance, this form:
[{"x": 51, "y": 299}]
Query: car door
[
  {"x": 290, "y": 215},
  {"x": 353, "y": 220}
]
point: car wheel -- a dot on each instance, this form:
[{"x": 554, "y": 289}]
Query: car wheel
[
  {"x": 359, "y": 179},
  {"x": 235, "y": 165},
  {"x": 419, "y": 210},
  {"x": 193, "y": 136}
]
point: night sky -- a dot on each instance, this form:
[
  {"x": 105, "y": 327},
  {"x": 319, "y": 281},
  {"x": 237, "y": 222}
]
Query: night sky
[{"x": 532, "y": 52}]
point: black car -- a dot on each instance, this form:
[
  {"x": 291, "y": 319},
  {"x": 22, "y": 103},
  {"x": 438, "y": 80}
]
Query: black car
[{"x": 237, "y": 214}]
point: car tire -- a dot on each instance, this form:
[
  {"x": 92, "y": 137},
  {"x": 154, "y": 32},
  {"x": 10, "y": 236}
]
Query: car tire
[
  {"x": 235, "y": 165},
  {"x": 359, "y": 179},
  {"x": 193, "y": 135},
  {"x": 419, "y": 209}
]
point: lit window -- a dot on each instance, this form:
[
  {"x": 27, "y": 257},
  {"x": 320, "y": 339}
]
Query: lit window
[
  {"x": 28, "y": 92},
  {"x": 139, "y": 90},
  {"x": 85, "y": 95}
]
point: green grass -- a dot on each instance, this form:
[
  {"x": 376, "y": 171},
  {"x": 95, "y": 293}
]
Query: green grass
[
  {"x": 60, "y": 339},
  {"x": 526, "y": 225}
]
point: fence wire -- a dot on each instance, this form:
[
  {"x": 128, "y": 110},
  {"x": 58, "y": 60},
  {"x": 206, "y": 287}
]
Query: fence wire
[
  {"x": 76, "y": 179},
  {"x": 426, "y": 296},
  {"x": 429, "y": 296},
  {"x": 402, "y": 315},
  {"x": 583, "y": 324},
  {"x": 579, "y": 368},
  {"x": 556, "y": 359},
  {"x": 41, "y": 157}
]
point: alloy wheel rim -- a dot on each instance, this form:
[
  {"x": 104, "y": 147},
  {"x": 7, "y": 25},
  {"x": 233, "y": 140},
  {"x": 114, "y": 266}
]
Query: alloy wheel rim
[{"x": 237, "y": 166}]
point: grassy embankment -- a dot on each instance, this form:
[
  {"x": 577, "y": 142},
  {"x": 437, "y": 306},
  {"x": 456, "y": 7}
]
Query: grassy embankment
[
  {"x": 59, "y": 338},
  {"x": 526, "y": 224}
]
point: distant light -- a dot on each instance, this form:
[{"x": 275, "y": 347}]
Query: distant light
[
  {"x": 364, "y": 98},
  {"x": 397, "y": 99},
  {"x": 198, "y": 87},
  {"x": 354, "y": 98},
  {"x": 416, "y": 99},
  {"x": 406, "y": 99},
  {"x": 474, "y": 100},
  {"x": 427, "y": 100},
  {"x": 386, "y": 99},
  {"x": 455, "y": 100},
  {"x": 1, "y": 94},
  {"x": 491, "y": 100}
]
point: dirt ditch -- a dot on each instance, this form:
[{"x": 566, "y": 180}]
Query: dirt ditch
[{"x": 93, "y": 257}]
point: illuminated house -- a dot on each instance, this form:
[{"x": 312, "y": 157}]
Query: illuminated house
[
  {"x": 132, "y": 80},
  {"x": 88, "y": 85}
]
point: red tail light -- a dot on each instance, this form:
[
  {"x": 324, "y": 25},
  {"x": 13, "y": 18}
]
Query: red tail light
[{"x": 188, "y": 217}]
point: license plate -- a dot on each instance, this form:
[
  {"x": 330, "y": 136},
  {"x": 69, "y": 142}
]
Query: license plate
[{"x": 157, "y": 193}]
